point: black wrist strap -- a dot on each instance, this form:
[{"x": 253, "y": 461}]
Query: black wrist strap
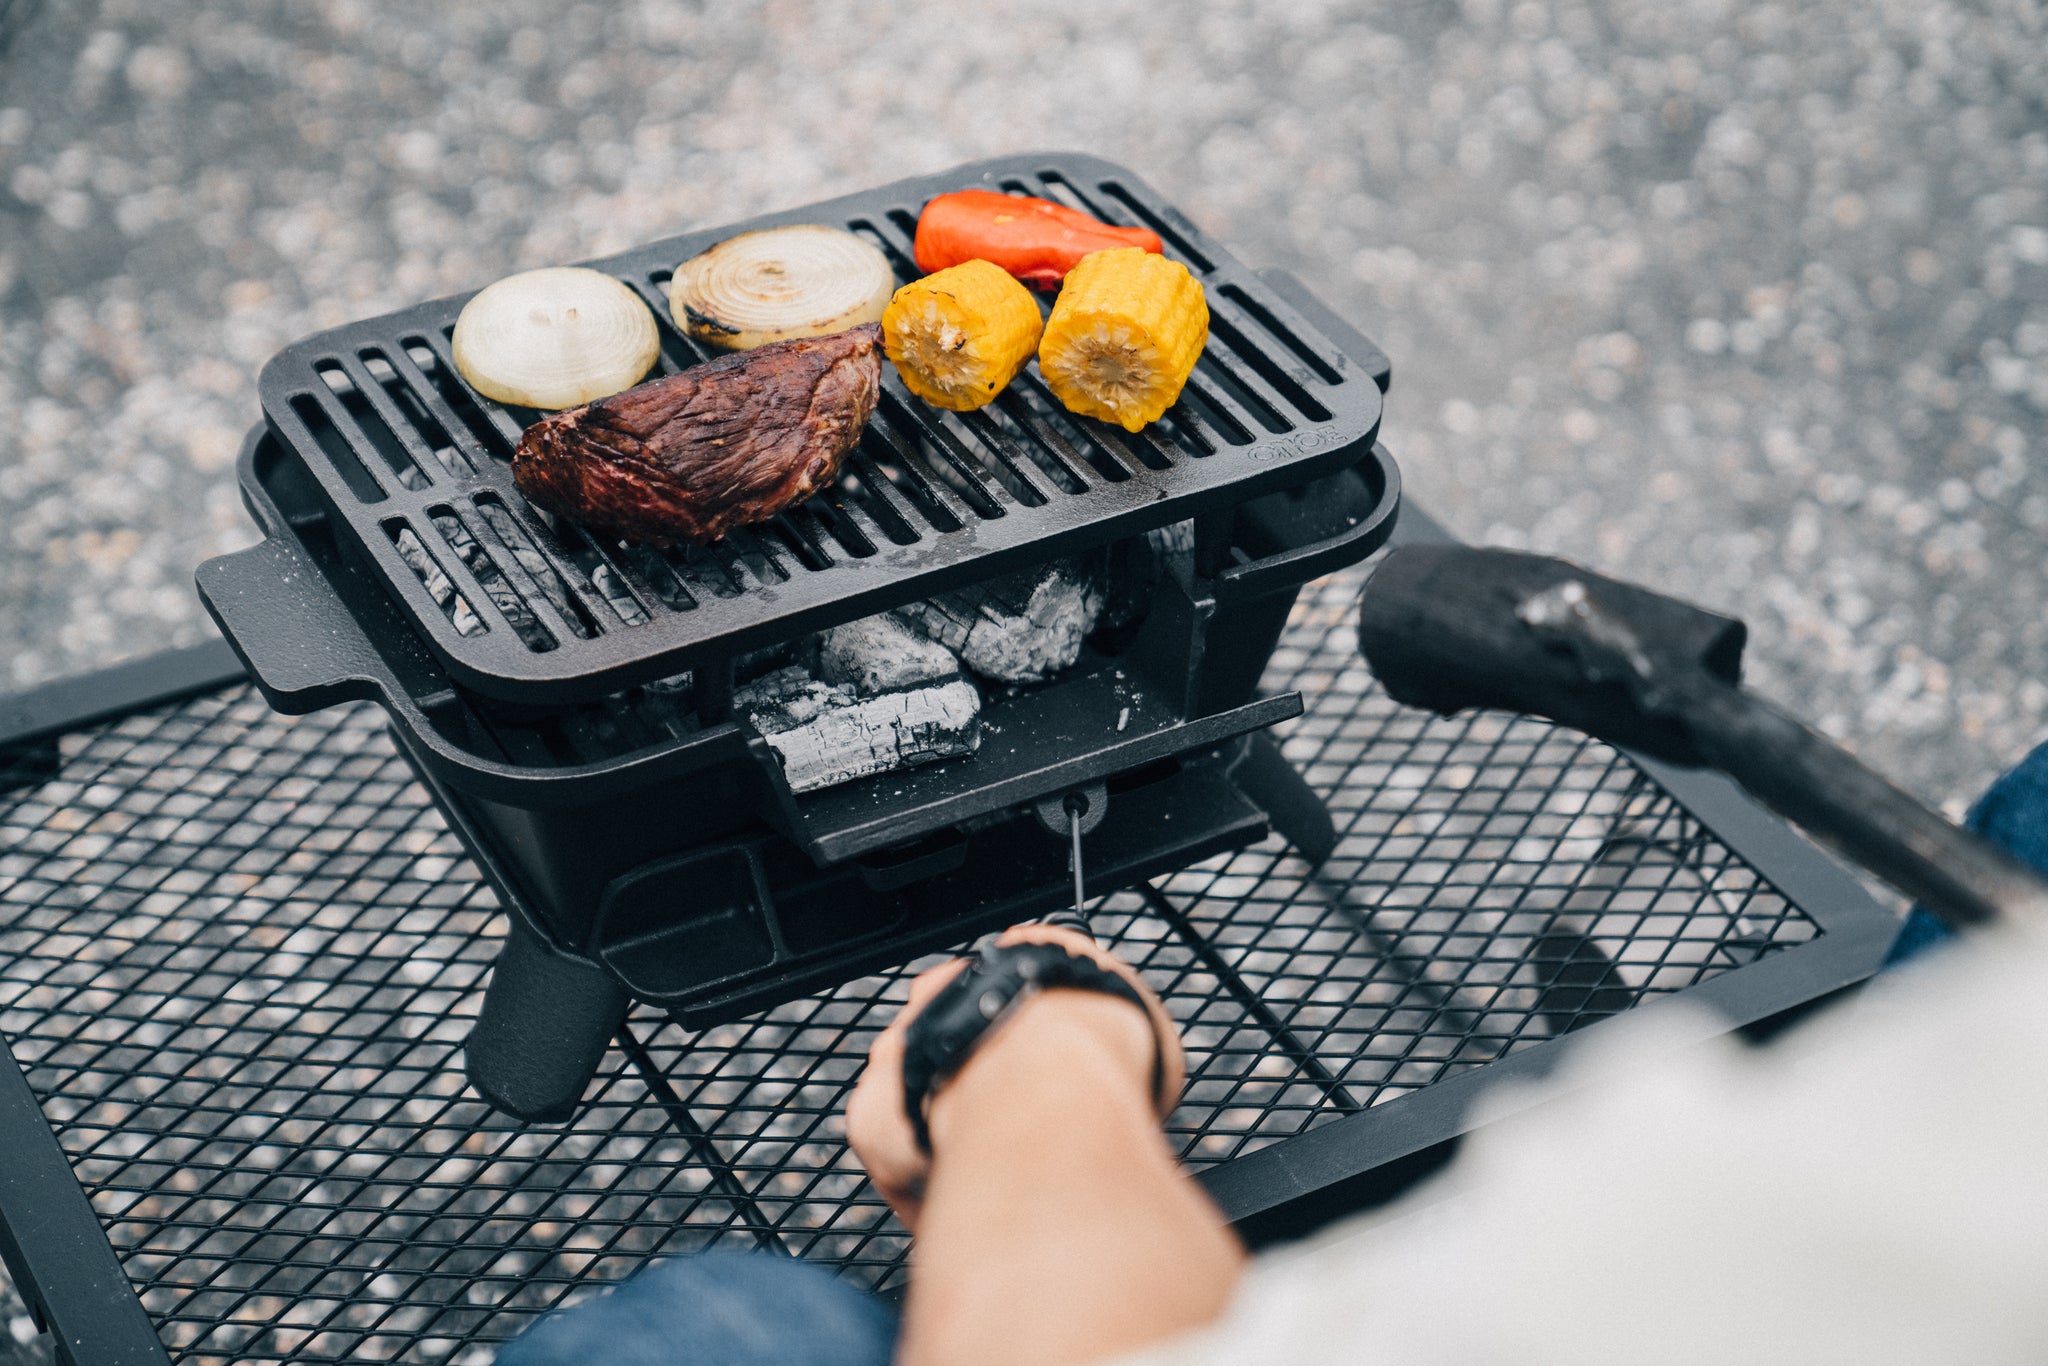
[{"x": 995, "y": 982}]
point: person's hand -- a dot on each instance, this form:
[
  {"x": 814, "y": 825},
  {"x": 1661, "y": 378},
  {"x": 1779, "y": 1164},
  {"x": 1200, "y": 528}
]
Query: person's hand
[{"x": 1056, "y": 1037}]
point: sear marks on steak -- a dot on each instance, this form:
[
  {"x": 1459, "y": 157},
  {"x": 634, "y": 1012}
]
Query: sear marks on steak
[{"x": 691, "y": 456}]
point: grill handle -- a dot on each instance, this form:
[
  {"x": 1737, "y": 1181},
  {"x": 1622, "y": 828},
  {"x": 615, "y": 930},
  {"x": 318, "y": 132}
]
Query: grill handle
[
  {"x": 1288, "y": 569},
  {"x": 296, "y": 638}
]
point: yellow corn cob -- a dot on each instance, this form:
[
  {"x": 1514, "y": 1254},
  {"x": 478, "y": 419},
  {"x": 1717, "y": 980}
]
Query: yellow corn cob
[
  {"x": 1124, "y": 336},
  {"x": 960, "y": 334}
]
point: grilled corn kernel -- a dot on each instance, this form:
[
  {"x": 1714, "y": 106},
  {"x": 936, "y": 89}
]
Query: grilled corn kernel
[
  {"x": 1124, "y": 336},
  {"x": 960, "y": 334}
]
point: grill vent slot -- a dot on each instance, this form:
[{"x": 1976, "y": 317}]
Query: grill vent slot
[
  {"x": 1325, "y": 368},
  {"x": 1030, "y": 417},
  {"x": 897, "y": 249},
  {"x": 861, "y": 485},
  {"x": 663, "y": 580},
  {"x": 911, "y": 427},
  {"x": 435, "y": 579},
  {"x": 1167, "y": 233},
  {"x": 786, "y": 532},
  {"x": 906, "y": 223},
  {"x": 1262, "y": 364},
  {"x": 341, "y": 455},
  {"x": 503, "y": 527},
  {"x": 377, "y": 417},
  {"x": 416, "y": 413},
  {"x": 590, "y": 572},
  {"x": 436, "y": 381},
  {"x": 499, "y": 591}
]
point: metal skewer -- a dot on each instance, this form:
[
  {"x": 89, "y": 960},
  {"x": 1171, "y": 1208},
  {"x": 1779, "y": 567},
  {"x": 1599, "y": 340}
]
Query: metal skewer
[{"x": 1076, "y": 807}]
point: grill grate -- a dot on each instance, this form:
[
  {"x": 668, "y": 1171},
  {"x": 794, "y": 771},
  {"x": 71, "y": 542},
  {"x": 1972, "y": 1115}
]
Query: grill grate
[
  {"x": 522, "y": 606},
  {"x": 239, "y": 954}
]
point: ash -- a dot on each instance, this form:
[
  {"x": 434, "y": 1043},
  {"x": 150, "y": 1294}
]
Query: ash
[{"x": 887, "y": 691}]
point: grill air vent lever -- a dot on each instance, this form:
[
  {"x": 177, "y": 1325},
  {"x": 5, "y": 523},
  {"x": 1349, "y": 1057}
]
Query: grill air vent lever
[{"x": 1073, "y": 814}]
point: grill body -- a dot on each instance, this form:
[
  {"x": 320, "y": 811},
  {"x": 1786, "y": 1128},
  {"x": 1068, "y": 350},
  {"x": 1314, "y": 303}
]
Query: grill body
[{"x": 645, "y": 841}]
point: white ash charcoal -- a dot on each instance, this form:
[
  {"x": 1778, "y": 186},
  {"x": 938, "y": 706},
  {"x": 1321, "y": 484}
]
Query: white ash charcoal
[
  {"x": 787, "y": 697},
  {"x": 579, "y": 548},
  {"x": 1020, "y": 628},
  {"x": 439, "y": 586},
  {"x": 669, "y": 700},
  {"x": 675, "y": 685},
  {"x": 492, "y": 580},
  {"x": 531, "y": 561},
  {"x": 616, "y": 595},
  {"x": 882, "y": 654},
  {"x": 825, "y": 734},
  {"x": 1175, "y": 546},
  {"x": 750, "y": 665}
]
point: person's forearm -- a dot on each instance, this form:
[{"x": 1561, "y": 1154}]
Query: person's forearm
[{"x": 1056, "y": 1226}]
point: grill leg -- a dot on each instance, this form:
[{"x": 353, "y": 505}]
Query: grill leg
[
  {"x": 1263, "y": 774},
  {"x": 546, "y": 1020}
]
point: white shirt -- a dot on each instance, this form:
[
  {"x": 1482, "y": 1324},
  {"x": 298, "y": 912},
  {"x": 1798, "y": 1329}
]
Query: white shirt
[{"x": 1870, "y": 1189}]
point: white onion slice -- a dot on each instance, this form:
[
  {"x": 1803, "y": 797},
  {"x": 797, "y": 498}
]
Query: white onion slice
[
  {"x": 555, "y": 338},
  {"x": 779, "y": 283}
]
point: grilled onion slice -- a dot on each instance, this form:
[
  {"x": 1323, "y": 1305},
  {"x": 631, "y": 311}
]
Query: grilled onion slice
[
  {"x": 778, "y": 284},
  {"x": 555, "y": 338}
]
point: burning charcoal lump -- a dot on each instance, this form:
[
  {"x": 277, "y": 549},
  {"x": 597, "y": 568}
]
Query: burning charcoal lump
[
  {"x": 879, "y": 654},
  {"x": 827, "y": 733},
  {"x": 460, "y": 613},
  {"x": 890, "y": 691},
  {"x": 1021, "y": 628}
]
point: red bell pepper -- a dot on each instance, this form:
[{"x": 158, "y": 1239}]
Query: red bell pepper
[{"x": 1036, "y": 240}]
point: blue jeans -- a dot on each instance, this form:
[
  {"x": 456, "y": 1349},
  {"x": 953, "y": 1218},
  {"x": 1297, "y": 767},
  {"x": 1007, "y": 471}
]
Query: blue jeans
[
  {"x": 2014, "y": 816},
  {"x": 716, "y": 1309}
]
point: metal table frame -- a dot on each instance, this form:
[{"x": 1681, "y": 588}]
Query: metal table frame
[{"x": 66, "y": 1268}]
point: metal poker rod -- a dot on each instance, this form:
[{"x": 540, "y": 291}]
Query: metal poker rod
[{"x": 1077, "y": 808}]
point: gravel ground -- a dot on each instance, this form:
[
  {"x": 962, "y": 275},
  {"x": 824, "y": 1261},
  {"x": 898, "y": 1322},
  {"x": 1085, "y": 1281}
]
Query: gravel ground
[{"x": 1748, "y": 303}]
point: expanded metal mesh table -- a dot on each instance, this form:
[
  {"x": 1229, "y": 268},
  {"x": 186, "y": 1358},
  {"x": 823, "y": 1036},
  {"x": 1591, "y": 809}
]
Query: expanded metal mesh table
[{"x": 239, "y": 954}]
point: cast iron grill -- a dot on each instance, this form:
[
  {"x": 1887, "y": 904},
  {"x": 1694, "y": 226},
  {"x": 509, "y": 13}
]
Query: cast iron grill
[
  {"x": 415, "y": 466},
  {"x": 239, "y": 953},
  {"x": 569, "y": 701}
]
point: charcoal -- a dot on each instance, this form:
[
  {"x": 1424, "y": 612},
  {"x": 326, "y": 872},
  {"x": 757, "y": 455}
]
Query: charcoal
[
  {"x": 749, "y": 665},
  {"x": 531, "y": 562},
  {"x": 1175, "y": 547},
  {"x": 492, "y": 580},
  {"x": 438, "y": 584},
  {"x": 675, "y": 685},
  {"x": 1020, "y": 628},
  {"x": 616, "y": 595},
  {"x": 826, "y": 734},
  {"x": 882, "y": 654}
]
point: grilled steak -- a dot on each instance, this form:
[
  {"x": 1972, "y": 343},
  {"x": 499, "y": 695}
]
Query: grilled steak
[{"x": 689, "y": 457}]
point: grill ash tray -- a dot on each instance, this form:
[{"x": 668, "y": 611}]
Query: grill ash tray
[{"x": 414, "y": 467}]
